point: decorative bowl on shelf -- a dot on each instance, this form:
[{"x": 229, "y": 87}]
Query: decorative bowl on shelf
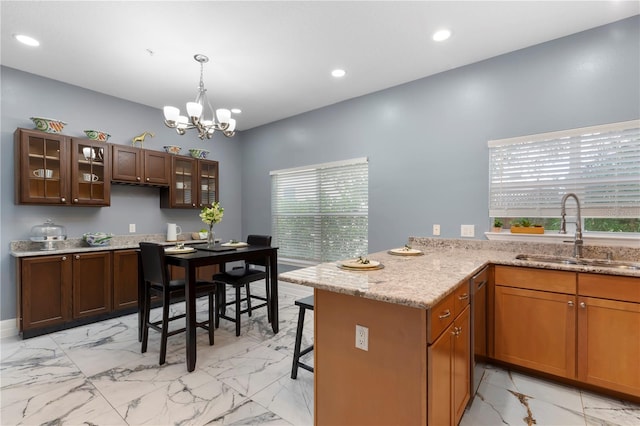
[
  {"x": 198, "y": 153},
  {"x": 172, "y": 149},
  {"x": 49, "y": 125},
  {"x": 97, "y": 135},
  {"x": 97, "y": 239}
]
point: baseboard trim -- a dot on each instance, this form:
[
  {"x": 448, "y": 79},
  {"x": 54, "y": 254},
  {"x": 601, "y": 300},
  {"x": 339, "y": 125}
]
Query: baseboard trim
[{"x": 8, "y": 328}]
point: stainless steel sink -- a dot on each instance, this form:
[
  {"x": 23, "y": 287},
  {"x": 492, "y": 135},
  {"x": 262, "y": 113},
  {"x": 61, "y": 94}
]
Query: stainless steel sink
[{"x": 601, "y": 263}]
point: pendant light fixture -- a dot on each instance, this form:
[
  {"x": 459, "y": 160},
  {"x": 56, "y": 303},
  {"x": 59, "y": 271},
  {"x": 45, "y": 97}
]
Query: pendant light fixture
[{"x": 195, "y": 119}]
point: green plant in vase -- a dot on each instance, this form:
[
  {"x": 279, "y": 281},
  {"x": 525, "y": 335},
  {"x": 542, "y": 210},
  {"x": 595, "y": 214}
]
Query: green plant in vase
[{"x": 210, "y": 216}]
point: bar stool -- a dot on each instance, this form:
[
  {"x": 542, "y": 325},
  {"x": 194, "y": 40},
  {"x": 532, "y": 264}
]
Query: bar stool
[{"x": 305, "y": 303}]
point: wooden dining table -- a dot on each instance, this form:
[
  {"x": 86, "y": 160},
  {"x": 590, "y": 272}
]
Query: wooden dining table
[{"x": 201, "y": 257}]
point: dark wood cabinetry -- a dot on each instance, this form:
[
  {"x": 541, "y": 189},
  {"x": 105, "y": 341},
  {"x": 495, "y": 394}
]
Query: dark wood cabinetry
[
  {"x": 125, "y": 279},
  {"x": 44, "y": 293},
  {"x": 194, "y": 184},
  {"x": 140, "y": 166},
  {"x": 60, "y": 170},
  {"x": 91, "y": 284}
]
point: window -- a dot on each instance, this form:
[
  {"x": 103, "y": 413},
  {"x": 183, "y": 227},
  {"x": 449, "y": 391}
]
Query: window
[
  {"x": 319, "y": 213},
  {"x": 600, "y": 164}
]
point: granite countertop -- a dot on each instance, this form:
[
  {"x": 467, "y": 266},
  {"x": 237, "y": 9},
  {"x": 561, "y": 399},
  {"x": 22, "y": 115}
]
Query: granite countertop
[
  {"x": 27, "y": 248},
  {"x": 422, "y": 281}
]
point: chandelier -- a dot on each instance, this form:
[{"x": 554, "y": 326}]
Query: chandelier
[{"x": 195, "y": 120}]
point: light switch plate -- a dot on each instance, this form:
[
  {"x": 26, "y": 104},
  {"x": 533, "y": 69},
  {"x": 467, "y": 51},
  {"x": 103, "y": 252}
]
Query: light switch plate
[
  {"x": 132, "y": 227},
  {"x": 467, "y": 230},
  {"x": 436, "y": 230}
]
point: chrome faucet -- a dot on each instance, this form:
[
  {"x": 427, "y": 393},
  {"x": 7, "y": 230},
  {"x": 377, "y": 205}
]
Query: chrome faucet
[{"x": 577, "y": 241}]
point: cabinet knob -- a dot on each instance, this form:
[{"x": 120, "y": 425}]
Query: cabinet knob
[
  {"x": 64, "y": 257},
  {"x": 583, "y": 305},
  {"x": 445, "y": 314},
  {"x": 193, "y": 205},
  {"x": 147, "y": 179},
  {"x": 464, "y": 296},
  {"x": 75, "y": 200},
  {"x": 570, "y": 303},
  {"x": 64, "y": 200},
  {"x": 77, "y": 256},
  {"x": 138, "y": 178}
]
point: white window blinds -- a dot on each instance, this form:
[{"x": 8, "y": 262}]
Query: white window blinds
[
  {"x": 319, "y": 213},
  {"x": 601, "y": 164}
]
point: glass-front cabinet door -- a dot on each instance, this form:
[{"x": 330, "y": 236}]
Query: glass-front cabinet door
[
  {"x": 90, "y": 173},
  {"x": 183, "y": 182},
  {"x": 42, "y": 175},
  {"x": 207, "y": 182}
]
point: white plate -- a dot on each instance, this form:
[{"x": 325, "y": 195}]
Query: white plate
[
  {"x": 354, "y": 264},
  {"x": 175, "y": 250},
  {"x": 238, "y": 244},
  {"x": 403, "y": 251}
]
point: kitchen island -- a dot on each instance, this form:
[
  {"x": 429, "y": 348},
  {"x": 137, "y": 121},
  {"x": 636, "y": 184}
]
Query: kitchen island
[{"x": 416, "y": 370}]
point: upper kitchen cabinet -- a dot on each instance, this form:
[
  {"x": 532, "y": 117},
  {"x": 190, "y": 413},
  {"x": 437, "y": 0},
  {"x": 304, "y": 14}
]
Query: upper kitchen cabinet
[
  {"x": 194, "y": 184},
  {"x": 60, "y": 170},
  {"x": 140, "y": 166}
]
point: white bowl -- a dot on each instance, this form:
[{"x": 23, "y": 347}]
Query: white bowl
[
  {"x": 172, "y": 149},
  {"x": 97, "y": 135},
  {"x": 49, "y": 125},
  {"x": 198, "y": 153},
  {"x": 97, "y": 239}
]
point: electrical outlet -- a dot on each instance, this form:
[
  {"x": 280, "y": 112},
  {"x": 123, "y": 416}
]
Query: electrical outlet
[
  {"x": 436, "y": 229},
  {"x": 362, "y": 337},
  {"x": 132, "y": 227},
  {"x": 467, "y": 230}
]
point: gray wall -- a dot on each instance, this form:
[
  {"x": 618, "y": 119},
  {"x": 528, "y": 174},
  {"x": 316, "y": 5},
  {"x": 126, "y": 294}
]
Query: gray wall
[
  {"x": 25, "y": 95},
  {"x": 427, "y": 140}
]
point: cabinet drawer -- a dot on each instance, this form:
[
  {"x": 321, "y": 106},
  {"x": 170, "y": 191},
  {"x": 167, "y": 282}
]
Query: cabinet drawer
[
  {"x": 536, "y": 279},
  {"x": 440, "y": 317},
  {"x": 461, "y": 298},
  {"x": 626, "y": 289}
]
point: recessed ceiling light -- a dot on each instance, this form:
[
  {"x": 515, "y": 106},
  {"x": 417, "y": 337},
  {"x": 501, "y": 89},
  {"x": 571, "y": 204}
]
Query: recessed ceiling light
[
  {"x": 441, "y": 35},
  {"x": 24, "y": 39},
  {"x": 338, "y": 73},
  {"x": 236, "y": 110}
]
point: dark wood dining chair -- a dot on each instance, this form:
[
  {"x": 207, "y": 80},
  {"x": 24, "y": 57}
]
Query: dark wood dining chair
[
  {"x": 156, "y": 278},
  {"x": 239, "y": 278}
]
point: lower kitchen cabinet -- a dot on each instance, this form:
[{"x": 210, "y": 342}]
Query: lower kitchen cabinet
[
  {"x": 91, "y": 284},
  {"x": 609, "y": 332},
  {"x": 535, "y": 328},
  {"x": 586, "y": 330},
  {"x": 125, "y": 279},
  {"x": 449, "y": 358},
  {"x": 44, "y": 293},
  {"x": 55, "y": 291}
]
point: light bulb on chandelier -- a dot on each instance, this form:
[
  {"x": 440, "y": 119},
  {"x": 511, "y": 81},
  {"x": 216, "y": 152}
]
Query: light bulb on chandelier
[{"x": 194, "y": 119}]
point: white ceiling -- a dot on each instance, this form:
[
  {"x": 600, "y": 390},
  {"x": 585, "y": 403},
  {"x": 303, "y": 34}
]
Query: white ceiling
[{"x": 273, "y": 59}]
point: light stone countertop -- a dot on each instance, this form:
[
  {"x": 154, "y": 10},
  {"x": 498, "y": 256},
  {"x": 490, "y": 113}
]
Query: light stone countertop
[
  {"x": 422, "y": 281},
  {"x": 27, "y": 248}
]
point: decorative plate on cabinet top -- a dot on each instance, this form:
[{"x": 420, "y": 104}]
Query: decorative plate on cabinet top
[
  {"x": 49, "y": 125},
  {"x": 172, "y": 149},
  {"x": 406, "y": 251}
]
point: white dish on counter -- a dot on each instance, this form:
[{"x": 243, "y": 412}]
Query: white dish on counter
[
  {"x": 404, "y": 251},
  {"x": 234, "y": 244},
  {"x": 176, "y": 250}
]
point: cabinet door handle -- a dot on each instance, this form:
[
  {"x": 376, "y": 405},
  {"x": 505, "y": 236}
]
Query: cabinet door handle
[
  {"x": 64, "y": 257},
  {"x": 64, "y": 200},
  {"x": 138, "y": 178},
  {"x": 147, "y": 179},
  {"x": 77, "y": 257},
  {"x": 570, "y": 303},
  {"x": 583, "y": 305},
  {"x": 75, "y": 200},
  {"x": 445, "y": 314},
  {"x": 464, "y": 296}
]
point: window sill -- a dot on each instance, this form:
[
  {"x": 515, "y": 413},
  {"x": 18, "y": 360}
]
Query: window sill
[{"x": 602, "y": 239}]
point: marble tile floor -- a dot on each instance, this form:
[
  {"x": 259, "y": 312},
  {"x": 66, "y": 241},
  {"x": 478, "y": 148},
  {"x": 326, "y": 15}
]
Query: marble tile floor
[{"x": 96, "y": 375}]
